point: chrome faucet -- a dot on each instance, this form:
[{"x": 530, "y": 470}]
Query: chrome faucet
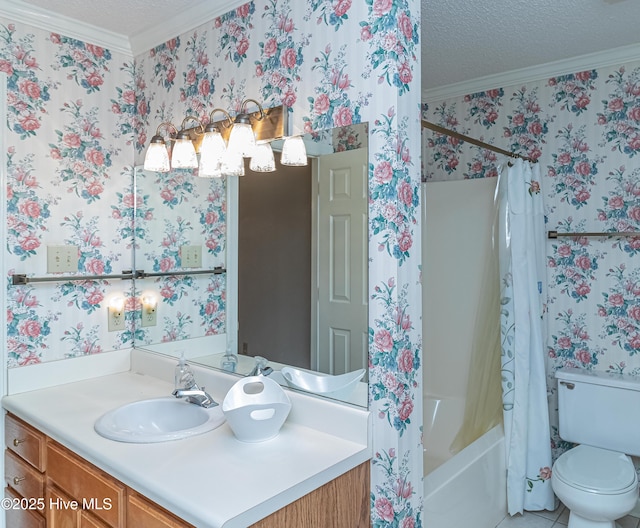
[
  {"x": 196, "y": 395},
  {"x": 261, "y": 368}
]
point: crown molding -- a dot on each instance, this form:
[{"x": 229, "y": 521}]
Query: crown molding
[
  {"x": 43, "y": 19},
  {"x": 178, "y": 23},
  {"x": 535, "y": 73},
  {"x": 181, "y": 22}
]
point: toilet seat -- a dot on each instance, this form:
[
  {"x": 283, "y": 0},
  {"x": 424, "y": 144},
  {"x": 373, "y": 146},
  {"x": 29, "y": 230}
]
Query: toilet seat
[{"x": 596, "y": 470}]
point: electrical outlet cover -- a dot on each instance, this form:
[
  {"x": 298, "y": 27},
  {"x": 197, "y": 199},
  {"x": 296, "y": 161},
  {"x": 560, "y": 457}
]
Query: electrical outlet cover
[
  {"x": 191, "y": 256},
  {"x": 61, "y": 259}
]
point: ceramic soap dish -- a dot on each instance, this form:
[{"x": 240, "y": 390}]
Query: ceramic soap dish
[{"x": 256, "y": 407}]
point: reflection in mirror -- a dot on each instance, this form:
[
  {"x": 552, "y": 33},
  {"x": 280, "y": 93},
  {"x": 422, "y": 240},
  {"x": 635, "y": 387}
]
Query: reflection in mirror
[{"x": 294, "y": 246}]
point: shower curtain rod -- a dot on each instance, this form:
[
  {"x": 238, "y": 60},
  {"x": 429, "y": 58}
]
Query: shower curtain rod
[
  {"x": 441, "y": 130},
  {"x": 555, "y": 234}
]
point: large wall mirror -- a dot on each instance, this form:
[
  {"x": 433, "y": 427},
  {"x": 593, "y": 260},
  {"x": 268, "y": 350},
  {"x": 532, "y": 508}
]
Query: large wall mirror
[{"x": 271, "y": 264}]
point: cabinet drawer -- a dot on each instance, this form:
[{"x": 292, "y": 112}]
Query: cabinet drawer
[
  {"x": 143, "y": 513},
  {"x": 22, "y": 477},
  {"x": 25, "y": 441},
  {"x": 21, "y": 518},
  {"x": 92, "y": 488}
]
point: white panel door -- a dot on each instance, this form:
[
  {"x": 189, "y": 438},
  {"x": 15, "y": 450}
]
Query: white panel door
[{"x": 341, "y": 262}]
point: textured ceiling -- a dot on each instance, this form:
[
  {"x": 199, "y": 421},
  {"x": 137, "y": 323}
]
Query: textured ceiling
[{"x": 461, "y": 39}]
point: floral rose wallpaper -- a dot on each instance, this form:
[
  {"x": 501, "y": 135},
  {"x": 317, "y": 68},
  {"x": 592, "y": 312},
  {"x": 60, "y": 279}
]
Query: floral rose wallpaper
[
  {"x": 79, "y": 118},
  {"x": 584, "y": 130}
]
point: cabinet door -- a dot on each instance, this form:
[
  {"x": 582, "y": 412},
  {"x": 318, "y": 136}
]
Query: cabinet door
[
  {"x": 88, "y": 520},
  {"x": 94, "y": 489},
  {"x": 62, "y": 510},
  {"x": 22, "y": 477},
  {"x": 142, "y": 513},
  {"x": 21, "y": 518}
]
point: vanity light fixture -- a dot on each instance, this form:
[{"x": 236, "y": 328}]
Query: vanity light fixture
[
  {"x": 214, "y": 147},
  {"x": 262, "y": 159},
  {"x": 242, "y": 138},
  {"x": 181, "y": 148},
  {"x": 294, "y": 153}
]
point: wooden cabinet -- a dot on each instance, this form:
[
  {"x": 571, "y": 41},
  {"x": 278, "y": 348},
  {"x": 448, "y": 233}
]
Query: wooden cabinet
[
  {"x": 69, "y": 492},
  {"x": 24, "y": 465}
]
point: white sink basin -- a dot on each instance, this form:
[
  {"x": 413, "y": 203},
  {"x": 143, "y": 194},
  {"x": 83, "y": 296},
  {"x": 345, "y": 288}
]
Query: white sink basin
[{"x": 158, "y": 420}]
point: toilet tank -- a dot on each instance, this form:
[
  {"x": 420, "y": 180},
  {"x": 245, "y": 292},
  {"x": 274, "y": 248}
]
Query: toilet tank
[{"x": 600, "y": 409}]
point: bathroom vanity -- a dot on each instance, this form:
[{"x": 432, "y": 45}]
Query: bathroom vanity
[{"x": 60, "y": 472}]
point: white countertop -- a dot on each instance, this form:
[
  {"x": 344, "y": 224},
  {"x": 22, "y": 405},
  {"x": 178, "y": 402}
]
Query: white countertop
[{"x": 211, "y": 480}]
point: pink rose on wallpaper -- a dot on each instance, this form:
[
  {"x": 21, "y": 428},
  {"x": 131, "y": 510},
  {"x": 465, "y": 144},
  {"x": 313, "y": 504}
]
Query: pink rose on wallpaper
[
  {"x": 390, "y": 381},
  {"x": 270, "y": 47},
  {"x": 72, "y": 140},
  {"x": 30, "y": 208},
  {"x": 94, "y": 79},
  {"x": 405, "y": 360},
  {"x": 212, "y": 244},
  {"x": 564, "y": 342},
  {"x": 321, "y": 104},
  {"x": 405, "y": 193},
  {"x": 166, "y": 264},
  {"x": 583, "y": 289},
  {"x": 96, "y": 50},
  {"x": 616, "y": 299},
  {"x": 29, "y": 243},
  {"x": 242, "y": 46},
  {"x": 384, "y": 509},
  {"x": 402, "y": 488},
  {"x": 583, "y": 356},
  {"x": 341, "y": 7},
  {"x": 129, "y": 96},
  {"x": 289, "y": 97},
  {"x": 365, "y": 33},
  {"x": 404, "y": 22},
  {"x": 94, "y": 188},
  {"x": 564, "y": 250},
  {"x": 6, "y": 67},
  {"x": 583, "y": 168},
  {"x": 409, "y": 522},
  {"x": 30, "y": 89},
  {"x": 167, "y": 194},
  {"x": 382, "y": 7},
  {"x": 95, "y": 266},
  {"x": 405, "y": 73},
  {"x": 383, "y": 172},
  {"x": 634, "y": 143},
  {"x": 405, "y": 409},
  {"x": 634, "y": 312},
  {"x": 211, "y": 308},
  {"x": 30, "y": 123},
  {"x": 191, "y": 76},
  {"x": 94, "y": 297},
  {"x": 616, "y": 104},
  {"x": 342, "y": 117},
  {"x": 171, "y": 75},
  {"x": 634, "y": 342},
  {"x": 243, "y": 10},
  {"x": 30, "y": 328},
  {"x": 94, "y": 156},
  {"x": 405, "y": 241},
  {"x": 289, "y": 58},
  {"x": 259, "y": 70},
  {"x": 518, "y": 120},
  {"x": 582, "y": 195},
  {"x": 286, "y": 24},
  {"x": 383, "y": 340},
  {"x": 616, "y": 202},
  {"x": 583, "y": 262},
  {"x": 634, "y": 213},
  {"x": 167, "y": 291},
  {"x": 204, "y": 87},
  {"x": 211, "y": 218},
  {"x": 535, "y": 128}
]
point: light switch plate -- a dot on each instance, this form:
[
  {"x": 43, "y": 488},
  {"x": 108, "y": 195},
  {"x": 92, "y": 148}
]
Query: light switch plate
[
  {"x": 191, "y": 256},
  {"x": 62, "y": 259}
]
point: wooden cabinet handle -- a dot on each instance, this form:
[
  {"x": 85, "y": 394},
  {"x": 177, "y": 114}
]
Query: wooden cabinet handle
[
  {"x": 18, "y": 441},
  {"x": 18, "y": 480}
]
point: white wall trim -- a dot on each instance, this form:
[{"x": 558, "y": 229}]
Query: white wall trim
[
  {"x": 177, "y": 24},
  {"x": 43, "y": 19},
  {"x": 535, "y": 73},
  {"x": 43, "y": 375},
  {"x": 180, "y": 23}
]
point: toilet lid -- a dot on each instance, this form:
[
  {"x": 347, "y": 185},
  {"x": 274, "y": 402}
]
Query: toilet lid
[{"x": 594, "y": 469}]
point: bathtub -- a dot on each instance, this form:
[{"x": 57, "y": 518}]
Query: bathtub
[{"x": 468, "y": 488}]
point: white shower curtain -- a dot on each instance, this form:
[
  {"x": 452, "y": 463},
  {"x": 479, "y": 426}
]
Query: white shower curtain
[{"x": 522, "y": 273}]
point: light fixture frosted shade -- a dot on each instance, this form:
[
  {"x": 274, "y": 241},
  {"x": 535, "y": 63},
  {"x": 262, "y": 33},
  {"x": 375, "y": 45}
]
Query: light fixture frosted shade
[
  {"x": 157, "y": 158},
  {"x": 294, "y": 153},
  {"x": 212, "y": 152},
  {"x": 242, "y": 140},
  {"x": 232, "y": 164},
  {"x": 262, "y": 159},
  {"x": 184, "y": 155}
]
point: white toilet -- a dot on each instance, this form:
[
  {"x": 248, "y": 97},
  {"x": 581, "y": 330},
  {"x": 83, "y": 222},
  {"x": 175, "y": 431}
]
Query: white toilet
[{"x": 596, "y": 480}]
